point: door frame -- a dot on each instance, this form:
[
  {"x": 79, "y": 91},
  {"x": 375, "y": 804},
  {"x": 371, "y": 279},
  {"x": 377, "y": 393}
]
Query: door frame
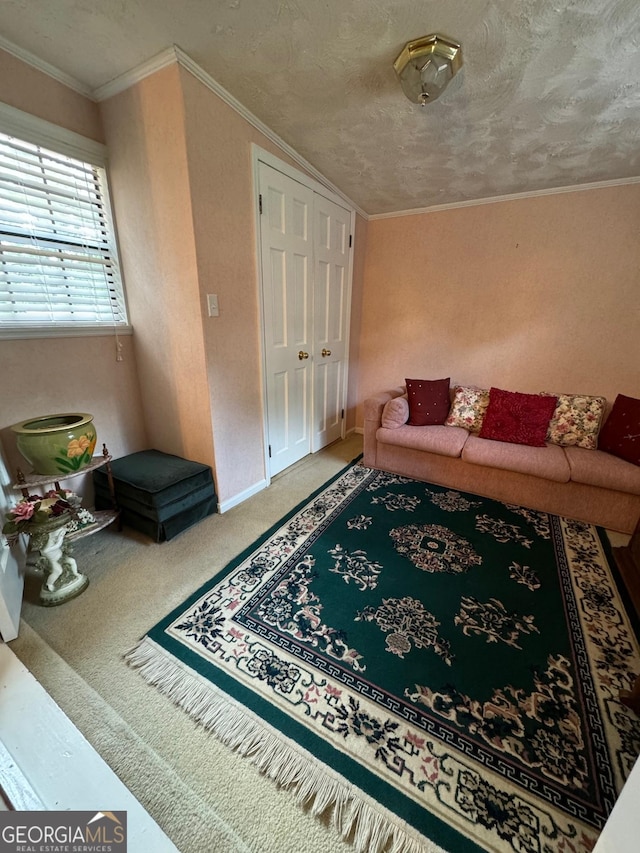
[{"x": 260, "y": 155}]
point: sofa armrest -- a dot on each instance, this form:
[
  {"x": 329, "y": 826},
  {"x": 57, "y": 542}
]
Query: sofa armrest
[{"x": 373, "y": 407}]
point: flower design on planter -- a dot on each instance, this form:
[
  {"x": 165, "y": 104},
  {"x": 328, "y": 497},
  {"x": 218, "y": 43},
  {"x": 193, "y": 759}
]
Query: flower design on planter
[
  {"x": 58, "y": 443},
  {"x": 78, "y": 452}
]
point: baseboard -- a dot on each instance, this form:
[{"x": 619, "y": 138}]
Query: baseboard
[
  {"x": 359, "y": 430},
  {"x": 223, "y": 506}
]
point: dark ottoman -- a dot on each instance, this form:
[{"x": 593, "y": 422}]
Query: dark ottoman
[{"x": 157, "y": 493}]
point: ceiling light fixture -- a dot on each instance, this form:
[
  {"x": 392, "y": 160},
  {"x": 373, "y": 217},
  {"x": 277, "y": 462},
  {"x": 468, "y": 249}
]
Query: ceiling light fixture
[{"x": 426, "y": 65}]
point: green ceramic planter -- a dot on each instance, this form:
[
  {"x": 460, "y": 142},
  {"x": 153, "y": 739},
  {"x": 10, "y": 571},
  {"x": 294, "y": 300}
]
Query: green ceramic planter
[{"x": 57, "y": 444}]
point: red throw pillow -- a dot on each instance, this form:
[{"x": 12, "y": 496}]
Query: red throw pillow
[
  {"x": 428, "y": 401},
  {"x": 518, "y": 418},
  {"x": 620, "y": 434}
]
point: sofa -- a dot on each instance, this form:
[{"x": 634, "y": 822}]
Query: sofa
[{"x": 581, "y": 482}]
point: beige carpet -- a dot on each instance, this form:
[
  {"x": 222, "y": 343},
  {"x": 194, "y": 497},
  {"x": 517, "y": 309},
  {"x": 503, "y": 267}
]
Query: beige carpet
[{"x": 205, "y": 797}]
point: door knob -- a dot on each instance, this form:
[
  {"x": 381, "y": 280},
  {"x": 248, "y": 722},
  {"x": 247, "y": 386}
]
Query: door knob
[
  {"x": 302, "y": 355},
  {"x": 326, "y": 352}
]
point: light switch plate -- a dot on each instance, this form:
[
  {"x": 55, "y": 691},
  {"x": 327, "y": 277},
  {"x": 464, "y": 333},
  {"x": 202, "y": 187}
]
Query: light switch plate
[{"x": 212, "y": 305}]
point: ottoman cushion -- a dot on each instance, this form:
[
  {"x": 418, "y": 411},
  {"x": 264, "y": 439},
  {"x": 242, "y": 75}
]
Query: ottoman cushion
[{"x": 157, "y": 493}]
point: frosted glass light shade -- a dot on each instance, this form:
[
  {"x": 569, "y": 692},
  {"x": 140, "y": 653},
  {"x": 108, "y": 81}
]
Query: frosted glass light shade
[{"x": 426, "y": 65}]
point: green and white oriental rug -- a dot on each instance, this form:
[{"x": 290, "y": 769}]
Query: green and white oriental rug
[{"x": 437, "y": 669}]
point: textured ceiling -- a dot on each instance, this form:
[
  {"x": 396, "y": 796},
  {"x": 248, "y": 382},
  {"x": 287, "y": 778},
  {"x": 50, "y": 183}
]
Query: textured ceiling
[{"x": 549, "y": 95}]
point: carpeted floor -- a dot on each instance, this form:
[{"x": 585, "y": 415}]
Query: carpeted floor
[{"x": 205, "y": 797}]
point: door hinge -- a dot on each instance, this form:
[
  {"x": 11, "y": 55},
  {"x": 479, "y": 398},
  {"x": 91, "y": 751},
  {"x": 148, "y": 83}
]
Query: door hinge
[
  {"x": 269, "y": 451},
  {"x": 260, "y": 202},
  {"x": 342, "y": 414},
  {"x": 350, "y": 240}
]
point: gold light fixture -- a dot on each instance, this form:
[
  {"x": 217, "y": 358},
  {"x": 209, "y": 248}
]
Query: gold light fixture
[{"x": 426, "y": 65}]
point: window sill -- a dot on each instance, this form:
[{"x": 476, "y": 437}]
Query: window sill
[{"x": 19, "y": 333}]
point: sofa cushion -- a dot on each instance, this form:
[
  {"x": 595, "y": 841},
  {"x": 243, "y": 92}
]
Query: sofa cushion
[
  {"x": 445, "y": 441},
  {"x": 620, "y": 434},
  {"x": 597, "y": 468},
  {"x": 518, "y": 418},
  {"x": 373, "y": 406},
  {"x": 468, "y": 407},
  {"x": 576, "y": 421},
  {"x": 549, "y": 462},
  {"x": 429, "y": 401},
  {"x": 395, "y": 413}
]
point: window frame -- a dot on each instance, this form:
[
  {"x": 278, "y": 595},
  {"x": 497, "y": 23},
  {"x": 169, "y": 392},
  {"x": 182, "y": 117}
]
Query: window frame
[{"x": 37, "y": 131}]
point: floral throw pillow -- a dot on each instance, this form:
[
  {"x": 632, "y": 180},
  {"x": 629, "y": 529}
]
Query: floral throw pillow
[
  {"x": 576, "y": 421},
  {"x": 518, "y": 418},
  {"x": 468, "y": 407}
]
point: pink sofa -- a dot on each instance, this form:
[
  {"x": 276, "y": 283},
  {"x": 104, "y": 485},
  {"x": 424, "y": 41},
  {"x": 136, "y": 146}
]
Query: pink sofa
[{"x": 589, "y": 485}]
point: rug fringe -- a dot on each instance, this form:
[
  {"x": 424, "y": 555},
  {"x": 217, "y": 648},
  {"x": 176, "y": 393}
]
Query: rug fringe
[{"x": 371, "y": 828}]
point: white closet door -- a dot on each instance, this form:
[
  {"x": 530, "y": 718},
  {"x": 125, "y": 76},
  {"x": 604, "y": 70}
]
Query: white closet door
[
  {"x": 331, "y": 294},
  {"x": 286, "y": 231}
]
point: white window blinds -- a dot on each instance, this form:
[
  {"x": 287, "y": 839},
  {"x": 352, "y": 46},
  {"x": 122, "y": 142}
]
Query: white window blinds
[{"x": 58, "y": 258}]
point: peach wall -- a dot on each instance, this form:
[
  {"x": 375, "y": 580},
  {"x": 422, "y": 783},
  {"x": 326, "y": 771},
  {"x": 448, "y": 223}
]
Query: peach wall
[
  {"x": 529, "y": 294},
  {"x": 40, "y": 376},
  {"x": 357, "y": 295},
  {"x": 28, "y": 89},
  {"x": 221, "y": 183},
  {"x": 145, "y": 133},
  {"x": 182, "y": 178},
  {"x": 220, "y": 174}
]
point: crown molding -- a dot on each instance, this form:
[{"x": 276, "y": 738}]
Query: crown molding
[
  {"x": 455, "y": 205},
  {"x": 161, "y": 60},
  {"x": 200, "y": 74},
  {"x": 167, "y": 57},
  {"x": 175, "y": 54},
  {"x": 40, "y": 65}
]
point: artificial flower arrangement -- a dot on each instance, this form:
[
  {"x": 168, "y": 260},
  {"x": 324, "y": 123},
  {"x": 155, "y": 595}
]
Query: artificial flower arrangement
[{"x": 35, "y": 510}]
